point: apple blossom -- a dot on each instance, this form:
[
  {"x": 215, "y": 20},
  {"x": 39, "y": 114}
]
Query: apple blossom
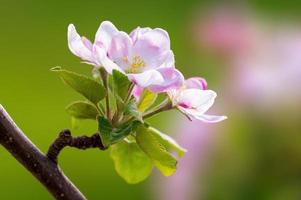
[
  {"x": 193, "y": 99},
  {"x": 144, "y": 55}
]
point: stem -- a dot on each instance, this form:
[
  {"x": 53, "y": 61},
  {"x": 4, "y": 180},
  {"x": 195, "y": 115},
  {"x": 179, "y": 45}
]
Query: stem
[
  {"x": 129, "y": 94},
  {"x": 65, "y": 139},
  {"x": 39, "y": 165},
  {"x": 104, "y": 76},
  {"x": 166, "y": 105},
  {"x": 99, "y": 109},
  {"x": 117, "y": 117}
]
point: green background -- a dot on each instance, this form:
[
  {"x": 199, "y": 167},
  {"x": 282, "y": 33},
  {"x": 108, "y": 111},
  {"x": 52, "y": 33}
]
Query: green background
[{"x": 33, "y": 40}]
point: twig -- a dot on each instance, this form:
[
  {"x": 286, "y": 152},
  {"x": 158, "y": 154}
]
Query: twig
[
  {"x": 43, "y": 168},
  {"x": 65, "y": 139}
]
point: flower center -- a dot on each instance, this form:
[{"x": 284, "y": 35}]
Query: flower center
[{"x": 136, "y": 64}]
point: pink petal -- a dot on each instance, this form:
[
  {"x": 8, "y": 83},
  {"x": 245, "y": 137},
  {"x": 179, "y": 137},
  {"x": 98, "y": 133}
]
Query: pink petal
[
  {"x": 105, "y": 33},
  {"x": 137, "y": 91},
  {"x": 195, "y": 114},
  {"x": 87, "y": 43},
  {"x": 120, "y": 49},
  {"x": 137, "y": 32},
  {"x": 197, "y": 83},
  {"x": 79, "y": 46},
  {"x": 210, "y": 118},
  {"x": 173, "y": 79},
  {"x": 147, "y": 78},
  {"x": 152, "y": 45},
  {"x": 200, "y": 100},
  {"x": 102, "y": 59}
]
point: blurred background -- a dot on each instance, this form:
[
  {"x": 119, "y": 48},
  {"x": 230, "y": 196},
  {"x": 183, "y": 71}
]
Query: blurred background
[{"x": 248, "y": 51}]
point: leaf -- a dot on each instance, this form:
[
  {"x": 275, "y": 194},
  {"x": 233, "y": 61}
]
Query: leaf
[
  {"x": 84, "y": 85},
  {"x": 75, "y": 123},
  {"x": 162, "y": 159},
  {"x": 110, "y": 135},
  {"x": 131, "y": 163},
  {"x": 121, "y": 84},
  {"x": 119, "y": 133},
  {"x": 131, "y": 109},
  {"x": 105, "y": 129},
  {"x": 146, "y": 100},
  {"x": 82, "y": 110},
  {"x": 167, "y": 141}
]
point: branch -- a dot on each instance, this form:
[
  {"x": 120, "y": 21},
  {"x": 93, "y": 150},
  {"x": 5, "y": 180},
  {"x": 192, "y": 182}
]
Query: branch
[
  {"x": 39, "y": 165},
  {"x": 65, "y": 139}
]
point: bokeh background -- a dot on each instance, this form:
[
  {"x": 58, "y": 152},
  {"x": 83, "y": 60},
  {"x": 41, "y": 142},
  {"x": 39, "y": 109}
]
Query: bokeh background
[{"x": 249, "y": 52}]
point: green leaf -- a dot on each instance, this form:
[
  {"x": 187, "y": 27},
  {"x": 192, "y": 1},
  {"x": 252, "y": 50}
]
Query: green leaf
[
  {"x": 167, "y": 141},
  {"x": 131, "y": 163},
  {"x": 147, "y": 99},
  {"x": 119, "y": 133},
  {"x": 75, "y": 123},
  {"x": 162, "y": 159},
  {"x": 105, "y": 129},
  {"x": 84, "y": 85},
  {"x": 121, "y": 84},
  {"x": 82, "y": 110},
  {"x": 131, "y": 109},
  {"x": 110, "y": 135}
]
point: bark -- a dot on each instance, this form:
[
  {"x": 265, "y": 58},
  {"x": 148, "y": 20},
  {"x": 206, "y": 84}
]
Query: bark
[{"x": 44, "y": 167}]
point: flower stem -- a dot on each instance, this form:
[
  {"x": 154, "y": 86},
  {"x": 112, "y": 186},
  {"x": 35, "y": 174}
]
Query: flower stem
[
  {"x": 104, "y": 76},
  {"x": 128, "y": 97},
  {"x": 164, "y": 106}
]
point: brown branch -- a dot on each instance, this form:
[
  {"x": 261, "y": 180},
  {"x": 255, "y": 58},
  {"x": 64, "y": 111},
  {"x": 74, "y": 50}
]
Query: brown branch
[
  {"x": 65, "y": 139},
  {"x": 43, "y": 168}
]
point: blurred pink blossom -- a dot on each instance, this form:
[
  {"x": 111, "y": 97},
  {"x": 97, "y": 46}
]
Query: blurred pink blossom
[
  {"x": 226, "y": 31},
  {"x": 198, "y": 139}
]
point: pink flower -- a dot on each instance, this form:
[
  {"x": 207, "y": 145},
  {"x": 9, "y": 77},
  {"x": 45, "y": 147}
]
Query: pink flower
[
  {"x": 226, "y": 30},
  {"x": 193, "y": 99},
  {"x": 144, "y": 55}
]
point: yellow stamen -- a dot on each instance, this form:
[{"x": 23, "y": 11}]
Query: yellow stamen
[{"x": 136, "y": 65}]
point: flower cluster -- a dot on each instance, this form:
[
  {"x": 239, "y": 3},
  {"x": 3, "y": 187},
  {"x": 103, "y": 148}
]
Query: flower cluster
[
  {"x": 145, "y": 57},
  {"x": 134, "y": 78}
]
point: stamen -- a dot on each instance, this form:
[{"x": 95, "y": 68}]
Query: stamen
[{"x": 136, "y": 65}]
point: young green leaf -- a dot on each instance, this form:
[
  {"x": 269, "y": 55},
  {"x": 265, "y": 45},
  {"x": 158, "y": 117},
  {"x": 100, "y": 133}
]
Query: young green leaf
[
  {"x": 167, "y": 141},
  {"x": 131, "y": 109},
  {"x": 84, "y": 85},
  {"x": 82, "y": 110},
  {"x": 131, "y": 163},
  {"x": 75, "y": 123},
  {"x": 121, "y": 84},
  {"x": 105, "y": 129},
  {"x": 147, "y": 99},
  {"x": 162, "y": 159},
  {"x": 119, "y": 133},
  {"x": 110, "y": 135}
]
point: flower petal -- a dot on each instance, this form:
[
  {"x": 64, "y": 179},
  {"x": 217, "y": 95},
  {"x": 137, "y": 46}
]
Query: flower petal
[
  {"x": 102, "y": 59},
  {"x": 137, "y": 32},
  {"x": 152, "y": 45},
  {"x": 173, "y": 79},
  {"x": 137, "y": 91},
  {"x": 80, "y": 47},
  {"x": 147, "y": 78},
  {"x": 105, "y": 33},
  {"x": 210, "y": 118},
  {"x": 200, "y": 100},
  {"x": 120, "y": 49},
  {"x": 197, "y": 83}
]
